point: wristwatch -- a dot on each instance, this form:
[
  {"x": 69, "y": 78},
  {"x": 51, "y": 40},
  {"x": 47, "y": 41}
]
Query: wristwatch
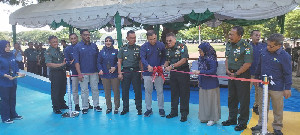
[{"x": 172, "y": 65}]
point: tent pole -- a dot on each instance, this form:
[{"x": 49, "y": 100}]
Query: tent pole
[
  {"x": 156, "y": 29},
  {"x": 118, "y": 27},
  {"x": 71, "y": 30},
  {"x": 281, "y": 20},
  {"x": 14, "y": 34}
]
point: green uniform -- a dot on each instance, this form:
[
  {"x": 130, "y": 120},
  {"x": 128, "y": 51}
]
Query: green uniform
[
  {"x": 238, "y": 54},
  {"x": 179, "y": 82},
  {"x": 57, "y": 77},
  {"x": 53, "y": 55},
  {"x": 130, "y": 55},
  {"x": 238, "y": 91},
  {"x": 31, "y": 56},
  {"x": 176, "y": 53}
]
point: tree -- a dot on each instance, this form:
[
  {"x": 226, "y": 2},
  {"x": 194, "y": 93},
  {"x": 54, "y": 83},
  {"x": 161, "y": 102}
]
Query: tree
[
  {"x": 5, "y": 36},
  {"x": 292, "y": 24},
  {"x": 38, "y": 36}
]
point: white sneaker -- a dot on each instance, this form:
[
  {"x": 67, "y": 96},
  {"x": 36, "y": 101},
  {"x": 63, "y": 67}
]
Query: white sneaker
[{"x": 210, "y": 123}]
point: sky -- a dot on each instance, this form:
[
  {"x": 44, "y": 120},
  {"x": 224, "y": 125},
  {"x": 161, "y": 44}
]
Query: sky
[{"x": 5, "y": 11}]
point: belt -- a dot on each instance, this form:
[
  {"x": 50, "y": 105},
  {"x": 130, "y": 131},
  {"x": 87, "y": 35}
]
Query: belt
[
  {"x": 232, "y": 70},
  {"x": 131, "y": 68}
]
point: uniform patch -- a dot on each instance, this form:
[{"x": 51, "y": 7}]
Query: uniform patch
[
  {"x": 247, "y": 50},
  {"x": 236, "y": 59},
  {"x": 275, "y": 59},
  {"x": 125, "y": 58}
]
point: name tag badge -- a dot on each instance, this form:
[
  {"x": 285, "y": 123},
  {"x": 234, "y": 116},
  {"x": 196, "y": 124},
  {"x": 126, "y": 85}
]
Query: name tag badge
[
  {"x": 125, "y": 50},
  {"x": 113, "y": 53}
]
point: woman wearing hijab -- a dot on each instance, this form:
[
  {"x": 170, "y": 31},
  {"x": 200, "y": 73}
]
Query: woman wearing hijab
[
  {"x": 8, "y": 84},
  {"x": 107, "y": 66},
  {"x": 209, "y": 91}
]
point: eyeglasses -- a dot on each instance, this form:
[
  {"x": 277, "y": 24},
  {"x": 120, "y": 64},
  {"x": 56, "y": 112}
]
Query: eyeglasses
[
  {"x": 168, "y": 41},
  {"x": 108, "y": 41}
]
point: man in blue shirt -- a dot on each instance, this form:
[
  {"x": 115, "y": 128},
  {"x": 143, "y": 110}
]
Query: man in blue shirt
[
  {"x": 257, "y": 48},
  {"x": 68, "y": 52},
  {"x": 275, "y": 62},
  {"x": 18, "y": 52},
  {"x": 152, "y": 56},
  {"x": 85, "y": 59}
]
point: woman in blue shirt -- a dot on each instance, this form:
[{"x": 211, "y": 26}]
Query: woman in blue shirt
[
  {"x": 209, "y": 91},
  {"x": 8, "y": 84},
  {"x": 107, "y": 66}
]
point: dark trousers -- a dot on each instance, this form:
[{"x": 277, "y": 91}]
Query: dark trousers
[
  {"x": 8, "y": 102},
  {"x": 180, "y": 89},
  {"x": 20, "y": 65},
  {"x": 134, "y": 78},
  {"x": 239, "y": 92},
  {"x": 42, "y": 69},
  {"x": 58, "y": 88},
  {"x": 32, "y": 67}
]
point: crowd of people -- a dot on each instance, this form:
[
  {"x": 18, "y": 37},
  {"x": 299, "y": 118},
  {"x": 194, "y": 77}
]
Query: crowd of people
[{"x": 112, "y": 66}]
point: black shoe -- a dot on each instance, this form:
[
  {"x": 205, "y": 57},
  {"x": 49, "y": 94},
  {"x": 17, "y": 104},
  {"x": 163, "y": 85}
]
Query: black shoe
[
  {"x": 228, "y": 122},
  {"x": 90, "y": 107},
  {"x": 255, "y": 110},
  {"x": 256, "y": 128},
  {"x": 8, "y": 121},
  {"x": 64, "y": 107},
  {"x": 183, "y": 118},
  {"x": 240, "y": 127},
  {"x": 108, "y": 111},
  {"x": 98, "y": 109},
  {"x": 162, "y": 112},
  {"x": 171, "y": 115},
  {"x": 77, "y": 108},
  {"x": 148, "y": 113},
  {"x": 124, "y": 112},
  {"x": 85, "y": 111},
  {"x": 57, "y": 111},
  {"x": 17, "y": 118},
  {"x": 139, "y": 112},
  {"x": 277, "y": 132},
  {"x": 116, "y": 111}
]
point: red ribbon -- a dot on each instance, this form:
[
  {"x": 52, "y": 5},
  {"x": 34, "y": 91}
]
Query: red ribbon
[{"x": 158, "y": 71}]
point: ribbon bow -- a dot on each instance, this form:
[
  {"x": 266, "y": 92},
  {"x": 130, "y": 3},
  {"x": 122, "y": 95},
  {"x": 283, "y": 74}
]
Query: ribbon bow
[{"x": 157, "y": 71}]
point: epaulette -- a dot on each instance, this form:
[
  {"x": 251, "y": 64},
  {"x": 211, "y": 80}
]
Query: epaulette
[{"x": 181, "y": 45}]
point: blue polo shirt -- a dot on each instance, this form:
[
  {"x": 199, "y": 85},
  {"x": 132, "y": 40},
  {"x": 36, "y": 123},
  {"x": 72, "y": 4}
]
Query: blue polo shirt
[
  {"x": 153, "y": 55},
  {"x": 256, "y": 53},
  {"x": 68, "y": 52},
  {"x": 279, "y": 66},
  {"x": 86, "y": 56},
  {"x": 8, "y": 65},
  {"x": 107, "y": 58}
]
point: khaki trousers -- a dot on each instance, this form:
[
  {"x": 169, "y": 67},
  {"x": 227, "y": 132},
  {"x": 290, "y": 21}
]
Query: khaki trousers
[
  {"x": 277, "y": 105},
  {"x": 257, "y": 96},
  {"x": 115, "y": 84}
]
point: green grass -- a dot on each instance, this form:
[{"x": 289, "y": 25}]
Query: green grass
[{"x": 219, "y": 47}]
